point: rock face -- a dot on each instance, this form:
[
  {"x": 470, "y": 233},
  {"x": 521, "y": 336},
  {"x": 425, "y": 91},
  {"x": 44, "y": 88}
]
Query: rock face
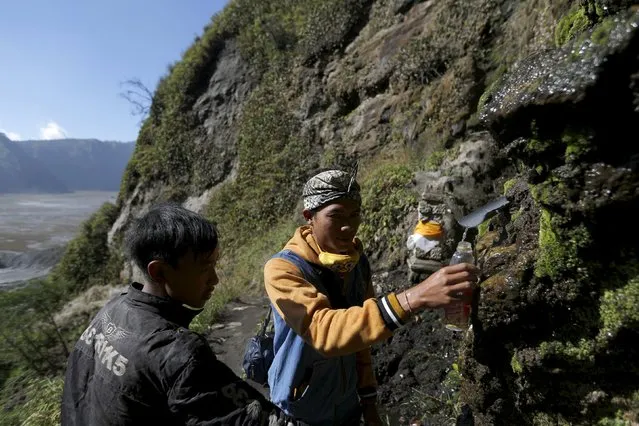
[
  {"x": 557, "y": 314},
  {"x": 447, "y": 105},
  {"x": 213, "y": 154},
  {"x": 218, "y": 109}
]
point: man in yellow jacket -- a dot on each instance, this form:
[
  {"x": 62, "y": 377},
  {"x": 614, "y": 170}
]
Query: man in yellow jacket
[{"x": 326, "y": 314}]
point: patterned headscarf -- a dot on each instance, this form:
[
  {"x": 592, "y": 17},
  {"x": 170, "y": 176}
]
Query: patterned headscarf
[{"x": 330, "y": 185}]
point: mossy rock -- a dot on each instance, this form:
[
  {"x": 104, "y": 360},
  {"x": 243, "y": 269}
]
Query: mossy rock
[
  {"x": 496, "y": 282},
  {"x": 508, "y": 185},
  {"x": 559, "y": 249},
  {"x": 498, "y": 257},
  {"x": 618, "y": 309},
  {"x": 492, "y": 85},
  {"x": 559, "y": 77},
  {"x": 601, "y": 33},
  {"x": 486, "y": 241},
  {"x": 435, "y": 159}
]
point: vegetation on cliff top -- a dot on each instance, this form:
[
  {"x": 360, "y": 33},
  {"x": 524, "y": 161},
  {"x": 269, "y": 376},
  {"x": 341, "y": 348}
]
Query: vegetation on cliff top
[{"x": 272, "y": 35}]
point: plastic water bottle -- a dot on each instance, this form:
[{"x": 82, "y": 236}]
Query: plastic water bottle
[{"x": 457, "y": 314}]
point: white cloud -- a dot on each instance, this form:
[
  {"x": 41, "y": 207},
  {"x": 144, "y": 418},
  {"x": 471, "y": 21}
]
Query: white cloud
[
  {"x": 11, "y": 135},
  {"x": 52, "y": 131}
]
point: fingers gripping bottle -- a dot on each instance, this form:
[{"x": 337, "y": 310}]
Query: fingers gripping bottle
[{"x": 457, "y": 314}]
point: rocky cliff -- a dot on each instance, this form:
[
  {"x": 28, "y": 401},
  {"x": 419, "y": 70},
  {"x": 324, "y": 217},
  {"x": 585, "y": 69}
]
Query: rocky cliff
[{"x": 447, "y": 105}]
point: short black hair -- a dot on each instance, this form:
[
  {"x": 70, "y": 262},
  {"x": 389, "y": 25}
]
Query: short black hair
[{"x": 167, "y": 232}]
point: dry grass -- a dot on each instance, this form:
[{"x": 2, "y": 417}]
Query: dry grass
[{"x": 87, "y": 303}]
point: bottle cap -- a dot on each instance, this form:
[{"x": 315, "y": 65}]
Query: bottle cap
[{"x": 464, "y": 246}]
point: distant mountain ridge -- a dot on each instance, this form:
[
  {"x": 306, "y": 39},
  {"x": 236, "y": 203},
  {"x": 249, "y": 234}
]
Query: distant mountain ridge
[
  {"x": 19, "y": 172},
  {"x": 62, "y": 165}
]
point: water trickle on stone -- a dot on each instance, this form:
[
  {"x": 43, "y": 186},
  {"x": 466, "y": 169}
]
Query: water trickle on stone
[{"x": 537, "y": 80}]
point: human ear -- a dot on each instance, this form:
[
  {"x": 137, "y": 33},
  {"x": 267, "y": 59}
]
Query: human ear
[
  {"x": 308, "y": 216},
  {"x": 156, "y": 270}
]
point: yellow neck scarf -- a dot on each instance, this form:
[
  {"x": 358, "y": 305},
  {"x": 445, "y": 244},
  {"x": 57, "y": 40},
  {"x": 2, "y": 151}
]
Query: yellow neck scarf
[{"x": 340, "y": 263}]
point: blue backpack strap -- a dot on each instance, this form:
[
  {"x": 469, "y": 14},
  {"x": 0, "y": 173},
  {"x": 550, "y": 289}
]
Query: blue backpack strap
[
  {"x": 307, "y": 270},
  {"x": 294, "y": 359},
  {"x": 324, "y": 280},
  {"x": 289, "y": 348}
]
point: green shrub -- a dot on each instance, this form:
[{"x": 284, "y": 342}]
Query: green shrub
[
  {"x": 435, "y": 159},
  {"x": 29, "y": 335},
  {"x": 87, "y": 259}
]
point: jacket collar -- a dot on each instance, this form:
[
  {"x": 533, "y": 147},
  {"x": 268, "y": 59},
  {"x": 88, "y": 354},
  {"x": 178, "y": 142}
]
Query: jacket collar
[{"x": 166, "y": 307}]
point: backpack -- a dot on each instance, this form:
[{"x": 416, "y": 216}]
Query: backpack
[{"x": 258, "y": 355}]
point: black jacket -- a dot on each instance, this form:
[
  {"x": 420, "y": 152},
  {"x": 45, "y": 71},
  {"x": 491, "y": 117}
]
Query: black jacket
[{"x": 138, "y": 363}]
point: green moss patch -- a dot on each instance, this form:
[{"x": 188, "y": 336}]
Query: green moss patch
[
  {"x": 574, "y": 23},
  {"x": 386, "y": 200},
  {"x": 559, "y": 248},
  {"x": 619, "y": 309}
]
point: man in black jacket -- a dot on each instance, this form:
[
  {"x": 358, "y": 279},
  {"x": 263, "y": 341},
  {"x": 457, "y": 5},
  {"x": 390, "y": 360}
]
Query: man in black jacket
[{"x": 137, "y": 362}]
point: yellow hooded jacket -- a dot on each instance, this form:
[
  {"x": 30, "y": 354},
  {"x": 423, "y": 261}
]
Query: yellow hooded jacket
[{"x": 332, "y": 332}]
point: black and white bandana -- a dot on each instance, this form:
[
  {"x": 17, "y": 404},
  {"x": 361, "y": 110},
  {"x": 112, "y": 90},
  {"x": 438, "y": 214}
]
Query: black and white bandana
[{"x": 328, "y": 186}]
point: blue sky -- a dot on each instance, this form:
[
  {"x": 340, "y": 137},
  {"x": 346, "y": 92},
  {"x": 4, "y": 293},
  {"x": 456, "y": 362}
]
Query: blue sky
[{"x": 62, "y": 62}]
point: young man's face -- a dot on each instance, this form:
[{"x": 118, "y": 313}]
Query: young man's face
[
  {"x": 193, "y": 280},
  {"x": 335, "y": 225}
]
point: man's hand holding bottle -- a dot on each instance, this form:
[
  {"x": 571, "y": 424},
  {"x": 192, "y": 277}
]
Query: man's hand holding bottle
[{"x": 450, "y": 284}]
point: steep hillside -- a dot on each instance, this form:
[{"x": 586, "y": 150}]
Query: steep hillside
[
  {"x": 447, "y": 104},
  {"x": 82, "y": 164}
]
